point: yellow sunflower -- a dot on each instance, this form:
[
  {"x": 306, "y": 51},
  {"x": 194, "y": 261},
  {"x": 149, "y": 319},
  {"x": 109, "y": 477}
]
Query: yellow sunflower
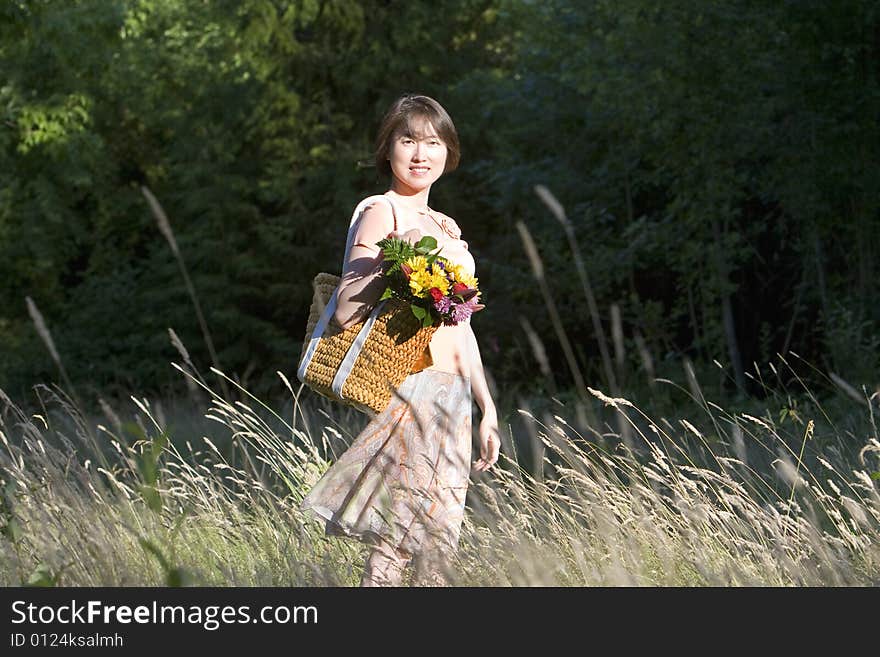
[
  {"x": 462, "y": 276},
  {"x": 418, "y": 263},
  {"x": 420, "y": 282}
]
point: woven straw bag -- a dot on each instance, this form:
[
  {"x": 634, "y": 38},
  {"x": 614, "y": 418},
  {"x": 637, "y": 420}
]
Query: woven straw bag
[{"x": 362, "y": 365}]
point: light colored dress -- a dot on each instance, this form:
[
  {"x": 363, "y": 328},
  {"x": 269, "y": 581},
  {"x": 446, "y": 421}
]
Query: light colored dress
[{"x": 404, "y": 478}]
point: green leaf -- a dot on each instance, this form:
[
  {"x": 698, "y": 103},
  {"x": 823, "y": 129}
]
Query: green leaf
[
  {"x": 174, "y": 575},
  {"x": 395, "y": 251},
  {"x": 427, "y": 243},
  {"x": 151, "y": 496},
  {"x": 387, "y": 294},
  {"x": 433, "y": 257},
  {"x": 42, "y": 576},
  {"x": 12, "y": 529},
  {"x": 418, "y": 311}
]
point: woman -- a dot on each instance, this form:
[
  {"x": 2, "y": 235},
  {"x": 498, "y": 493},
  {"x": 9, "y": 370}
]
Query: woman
[{"x": 401, "y": 484}]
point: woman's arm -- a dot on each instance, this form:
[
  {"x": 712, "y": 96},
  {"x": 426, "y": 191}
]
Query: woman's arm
[
  {"x": 479, "y": 386},
  {"x": 362, "y": 283},
  {"x": 490, "y": 437}
]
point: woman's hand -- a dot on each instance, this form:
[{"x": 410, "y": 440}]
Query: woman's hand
[
  {"x": 413, "y": 235},
  {"x": 490, "y": 443}
]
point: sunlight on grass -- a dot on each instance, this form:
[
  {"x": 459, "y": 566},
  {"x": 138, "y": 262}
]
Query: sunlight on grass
[{"x": 679, "y": 504}]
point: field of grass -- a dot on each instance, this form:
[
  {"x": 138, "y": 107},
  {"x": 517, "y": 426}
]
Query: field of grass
[
  {"x": 673, "y": 486},
  {"x": 206, "y": 492}
]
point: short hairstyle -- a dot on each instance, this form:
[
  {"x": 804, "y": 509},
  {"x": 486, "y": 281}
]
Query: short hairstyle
[{"x": 401, "y": 115}]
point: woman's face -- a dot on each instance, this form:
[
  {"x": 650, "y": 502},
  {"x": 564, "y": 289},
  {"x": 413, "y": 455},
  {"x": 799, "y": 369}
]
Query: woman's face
[{"x": 417, "y": 161}]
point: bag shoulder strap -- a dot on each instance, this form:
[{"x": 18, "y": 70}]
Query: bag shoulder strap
[
  {"x": 357, "y": 212},
  {"x": 330, "y": 308}
]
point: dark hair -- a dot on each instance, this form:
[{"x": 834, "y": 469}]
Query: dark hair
[{"x": 400, "y": 116}]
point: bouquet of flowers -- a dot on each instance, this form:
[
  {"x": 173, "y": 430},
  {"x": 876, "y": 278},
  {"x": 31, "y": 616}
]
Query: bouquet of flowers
[{"x": 438, "y": 290}]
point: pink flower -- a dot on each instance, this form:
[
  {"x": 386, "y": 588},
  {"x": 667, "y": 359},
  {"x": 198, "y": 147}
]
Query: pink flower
[
  {"x": 443, "y": 305},
  {"x": 407, "y": 270},
  {"x": 462, "y": 311}
]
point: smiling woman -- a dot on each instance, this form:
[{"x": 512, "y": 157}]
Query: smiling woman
[
  {"x": 401, "y": 484},
  {"x": 411, "y": 121}
]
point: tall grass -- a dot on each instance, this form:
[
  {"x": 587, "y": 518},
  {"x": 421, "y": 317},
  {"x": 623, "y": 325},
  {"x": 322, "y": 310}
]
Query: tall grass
[
  {"x": 173, "y": 510},
  {"x": 596, "y": 491}
]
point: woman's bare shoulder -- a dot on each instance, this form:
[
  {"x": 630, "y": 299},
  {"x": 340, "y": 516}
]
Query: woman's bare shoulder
[
  {"x": 376, "y": 220},
  {"x": 377, "y": 212},
  {"x": 375, "y": 202}
]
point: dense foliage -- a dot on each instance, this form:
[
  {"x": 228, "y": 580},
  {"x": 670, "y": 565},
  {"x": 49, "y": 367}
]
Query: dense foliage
[{"x": 718, "y": 162}]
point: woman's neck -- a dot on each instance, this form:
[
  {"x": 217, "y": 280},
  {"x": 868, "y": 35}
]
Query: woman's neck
[{"x": 414, "y": 200}]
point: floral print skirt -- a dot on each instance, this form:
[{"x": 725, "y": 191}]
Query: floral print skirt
[{"x": 404, "y": 478}]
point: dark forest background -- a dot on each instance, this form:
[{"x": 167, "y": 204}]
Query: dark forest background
[{"x": 718, "y": 163}]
